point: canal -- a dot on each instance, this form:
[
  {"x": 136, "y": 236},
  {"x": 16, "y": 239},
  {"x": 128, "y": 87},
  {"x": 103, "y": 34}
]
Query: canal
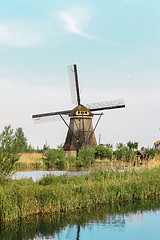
[{"x": 133, "y": 221}]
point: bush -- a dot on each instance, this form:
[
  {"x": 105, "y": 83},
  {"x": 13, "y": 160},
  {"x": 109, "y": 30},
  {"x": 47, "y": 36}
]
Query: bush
[
  {"x": 149, "y": 153},
  {"x": 54, "y": 157},
  {"x": 86, "y": 155},
  {"x": 126, "y": 153},
  {"x": 103, "y": 152}
]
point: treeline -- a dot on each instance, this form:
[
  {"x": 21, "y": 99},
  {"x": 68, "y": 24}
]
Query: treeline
[
  {"x": 14, "y": 143},
  {"x": 86, "y": 157},
  {"x": 122, "y": 151},
  {"x": 19, "y": 140}
]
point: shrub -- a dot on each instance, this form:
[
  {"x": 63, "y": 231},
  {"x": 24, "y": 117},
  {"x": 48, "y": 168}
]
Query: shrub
[
  {"x": 103, "y": 152},
  {"x": 86, "y": 155},
  {"x": 149, "y": 153},
  {"x": 126, "y": 153},
  {"x": 54, "y": 157}
]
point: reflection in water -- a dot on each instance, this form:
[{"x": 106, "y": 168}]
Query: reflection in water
[
  {"x": 78, "y": 232},
  {"x": 77, "y": 225}
]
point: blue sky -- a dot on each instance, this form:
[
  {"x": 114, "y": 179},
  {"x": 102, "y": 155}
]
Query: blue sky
[{"x": 116, "y": 45}]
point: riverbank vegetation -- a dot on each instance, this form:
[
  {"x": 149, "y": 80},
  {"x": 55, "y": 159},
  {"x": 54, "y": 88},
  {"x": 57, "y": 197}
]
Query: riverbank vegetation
[
  {"x": 107, "y": 180},
  {"x": 51, "y": 224},
  {"x": 16, "y": 154},
  {"x": 100, "y": 157},
  {"x": 21, "y": 198}
]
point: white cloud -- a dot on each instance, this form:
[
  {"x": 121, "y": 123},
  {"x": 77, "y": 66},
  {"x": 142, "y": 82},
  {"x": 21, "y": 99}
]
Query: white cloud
[
  {"x": 16, "y": 35},
  {"x": 75, "y": 20}
]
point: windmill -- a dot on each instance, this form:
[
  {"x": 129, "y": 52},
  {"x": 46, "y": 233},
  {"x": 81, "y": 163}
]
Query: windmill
[{"x": 80, "y": 127}]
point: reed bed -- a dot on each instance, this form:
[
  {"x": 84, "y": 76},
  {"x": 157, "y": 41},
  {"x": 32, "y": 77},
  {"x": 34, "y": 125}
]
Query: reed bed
[{"x": 21, "y": 198}]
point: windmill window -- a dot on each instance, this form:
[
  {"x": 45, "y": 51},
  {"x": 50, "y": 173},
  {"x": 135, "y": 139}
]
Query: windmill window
[{"x": 82, "y": 112}]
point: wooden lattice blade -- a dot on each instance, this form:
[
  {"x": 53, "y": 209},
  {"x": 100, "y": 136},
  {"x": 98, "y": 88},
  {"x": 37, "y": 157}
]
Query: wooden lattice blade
[
  {"x": 74, "y": 85},
  {"x": 51, "y": 116},
  {"x": 106, "y": 105},
  {"x": 47, "y": 119}
]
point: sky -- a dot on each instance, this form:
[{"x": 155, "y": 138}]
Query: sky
[{"x": 116, "y": 46}]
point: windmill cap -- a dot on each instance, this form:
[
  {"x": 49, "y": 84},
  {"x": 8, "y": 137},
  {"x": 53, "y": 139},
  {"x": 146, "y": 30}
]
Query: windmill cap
[{"x": 80, "y": 110}]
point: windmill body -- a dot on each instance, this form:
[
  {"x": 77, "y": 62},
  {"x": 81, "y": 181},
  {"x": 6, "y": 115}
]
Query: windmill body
[
  {"x": 80, "y": 127},
  {"x": 80, "y": 131}
]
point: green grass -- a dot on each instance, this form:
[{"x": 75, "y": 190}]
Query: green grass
[{"x": 21, "y": 198}]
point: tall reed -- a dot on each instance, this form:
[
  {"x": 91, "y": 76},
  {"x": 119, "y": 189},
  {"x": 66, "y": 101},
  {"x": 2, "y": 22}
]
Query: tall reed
[{"x": 20, "y": 198}]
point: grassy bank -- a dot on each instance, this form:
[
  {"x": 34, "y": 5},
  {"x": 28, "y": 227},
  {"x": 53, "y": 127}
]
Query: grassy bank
[
  {"x": 34, "y": 161},
  {"x": 20, "y": 198},
  {"x": 30, "y": 161}
]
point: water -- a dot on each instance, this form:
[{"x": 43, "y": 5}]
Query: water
[
  {"x": 36, "y": 175},
  {"x": 133, "y": 221},
  {"x": 136, "y": 226}
]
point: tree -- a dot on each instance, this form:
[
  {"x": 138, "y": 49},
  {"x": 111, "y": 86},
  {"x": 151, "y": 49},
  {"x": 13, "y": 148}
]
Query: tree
[
  {"x": 20, "y": 140},
  {"x": 45, "y": 147},
  {"x": 9, "y": 152},
  {"x": 132, "y": 145}
]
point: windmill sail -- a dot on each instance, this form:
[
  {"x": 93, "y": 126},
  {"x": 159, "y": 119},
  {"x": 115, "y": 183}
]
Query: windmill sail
[
  {"x": 99, "y": 106},
  {"x": 50, "y": 117},
  {"x": 74, "y": 86},
  {"x": 47, "y": 119}
]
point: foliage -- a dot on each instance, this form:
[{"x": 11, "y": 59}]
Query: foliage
[
  {"x": 109, "y": 146},
  {"x": 54, "y": 157},
  {"x": 103, "y": 152},
  {"x": 126, "y": 153},
  {"x": 45, "y": 147},
  {"x": 86, "y": 155},
  {"x": 120, "y": 151},
  {"x": 20, "y": 140},
  {"x": 65, "y": 193},
  {"x": 42, "y": 150},
  {"x": 149, "y": 153},
  {"x": 36, "y": 165},
  {"x": 9, "y": 152},
  {"x": 38, "y": 150},
  {"x": 30, "y": 149},
  {"x": 158, "y": 151},
  {"x": 132, "y": 145}
]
